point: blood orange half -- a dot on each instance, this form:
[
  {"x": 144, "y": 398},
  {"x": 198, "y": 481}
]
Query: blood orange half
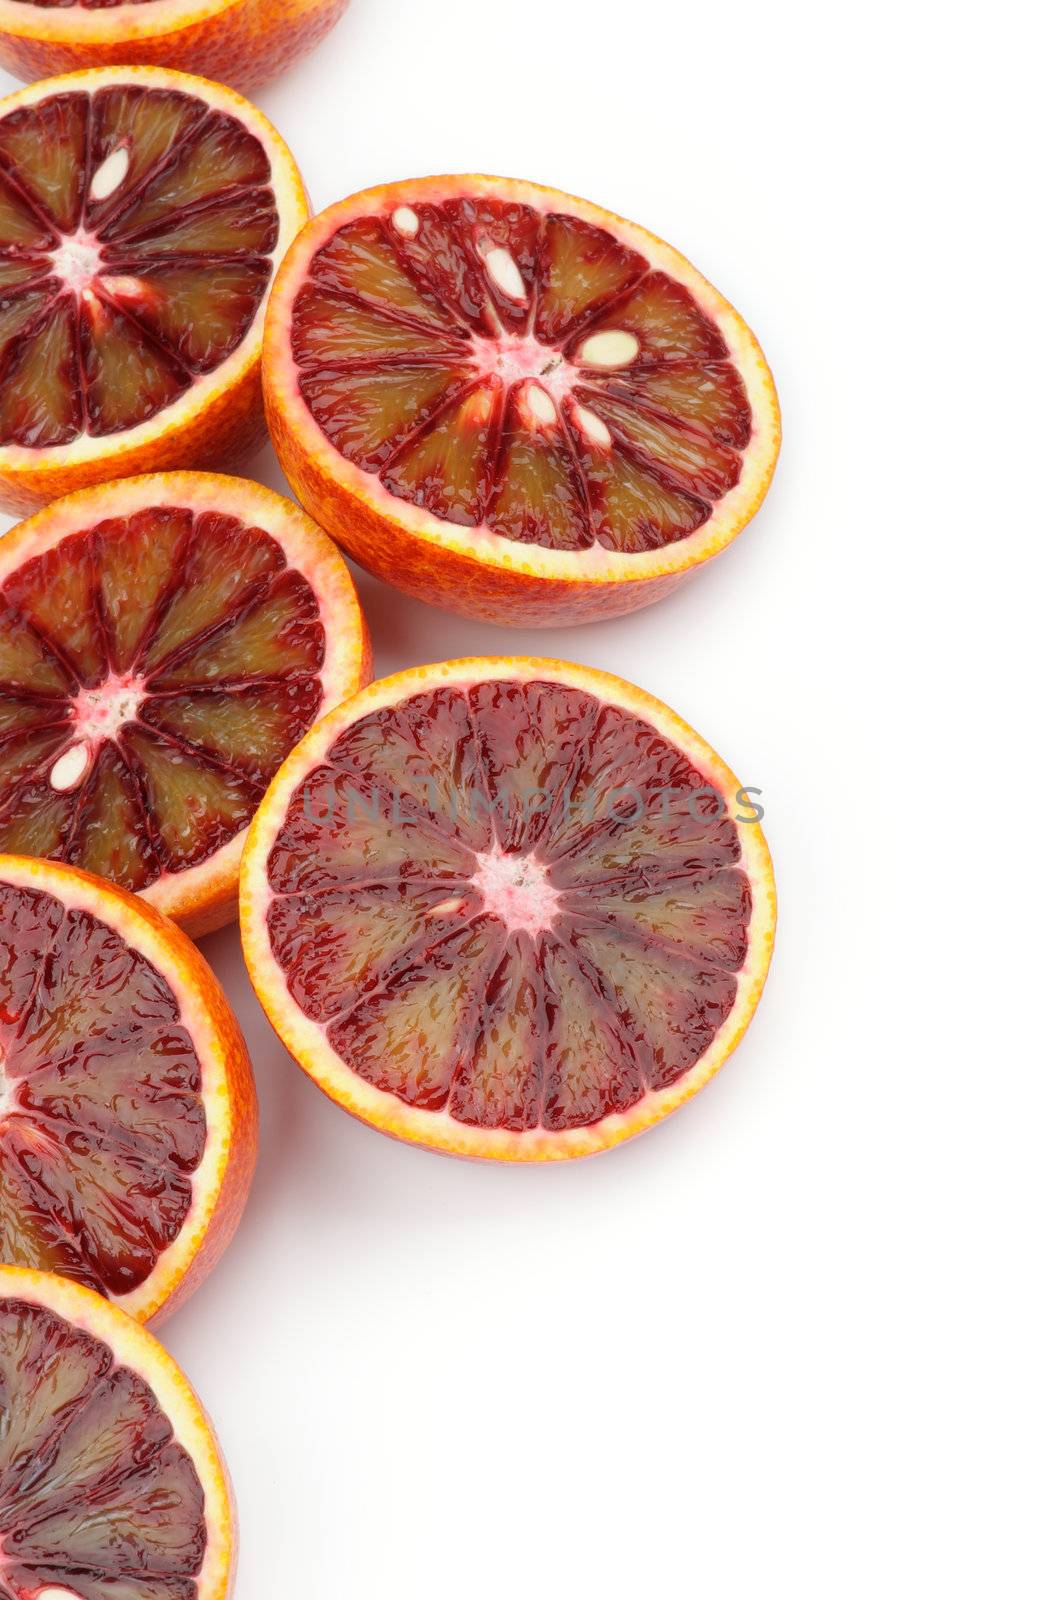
[
  {"x": 128, "y": 1119},
  {"x": 112, "y": 1485},
  {"x": 164, "y": 642},
  {"x": 142, "y": 214},
  {"x": 509, "y": 402},
  {"x": 241, "y": 42},
  {"x": 507, "y": 908}
]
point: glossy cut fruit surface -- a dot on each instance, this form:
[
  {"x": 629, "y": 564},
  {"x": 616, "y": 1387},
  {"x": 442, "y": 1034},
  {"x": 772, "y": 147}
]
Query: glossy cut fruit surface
[
  {"x": 128, "y": 1118},
  {"x": 512, "y": 403},
  {"x": 142, "y": 215},
  {"x": 164, "y": 642},
  {"x": 112, "y": 1485},
  {"x": 243, "y": 43},
  {"x": 507, "y": 907}
]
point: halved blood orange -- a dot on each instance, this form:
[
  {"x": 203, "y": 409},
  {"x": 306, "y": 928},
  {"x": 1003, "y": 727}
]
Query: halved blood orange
[
  {"x": 242, "y": 42},
  {"x": 164, "y": 642},
  {"x": 128, "y": 1118},
  {"x": 507, "y": 907},
  {"x": 509, "y": 402},
  {"x": 112, "y": 1484},
  {"x": 142, "y": 214}
]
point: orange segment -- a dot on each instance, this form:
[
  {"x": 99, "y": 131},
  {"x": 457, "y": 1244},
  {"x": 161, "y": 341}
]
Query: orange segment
[
  {"x": 538, "y": 498},
  {"x": 507, "y": 908},
  {"x": 42, "y": 149},
  {"x": 142, "y": 215},
  {"x": 113, "y": 832},
  {"x": 370, "y": 416},
  {"x": 447, "y": 467},
  {"x": 165, "y": 643},
  {"x": 503, "y": 399},
  {"x": 334, "y": 328},
  {"x": 582, "y": 268},
  {"x": 128, "y": 1124},
  {"x": 111, "y": 1481},
  {"x": 362, "y": 260},
  {"x": 41, "y": 405}
]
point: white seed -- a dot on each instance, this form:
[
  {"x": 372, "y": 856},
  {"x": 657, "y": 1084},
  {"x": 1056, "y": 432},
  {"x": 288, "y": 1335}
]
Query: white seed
[
  {"x": 446, "y": 907},
  {"x": 593, "y": 427},
  {"x": 406, "y": 222},
  {"x": 125, "y": 286},
  {"x": 541, "y": 404},
  {"x": 500, "y": 264},
  {"x": 612, "y": 348},
  {"x": 67, "y": 773},
  {"x": 109, "y": 175}
]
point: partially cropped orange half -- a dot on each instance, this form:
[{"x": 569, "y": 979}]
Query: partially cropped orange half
[
  {"x": 242, "y": 42},
  {"x": 128, "y": 1118},
  {"x": 513, "y": 403},
  {"x": 112, "y": 1484},
  {"x": 508, "y": 908},
  {"x": 164, "y": 642},
  {"x": 142, "y": 216}
]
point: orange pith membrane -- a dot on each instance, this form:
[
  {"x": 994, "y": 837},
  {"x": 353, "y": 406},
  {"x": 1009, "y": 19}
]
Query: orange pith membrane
[
  {"x": 128, "y": 1121},
  {"x": 139, "y": 227},
  {"x": 164, "y": 642},
  {"x": 507, "y": 908},
  {"x": 478, "y": 354},
  {"x": 111, "y": 1483}
]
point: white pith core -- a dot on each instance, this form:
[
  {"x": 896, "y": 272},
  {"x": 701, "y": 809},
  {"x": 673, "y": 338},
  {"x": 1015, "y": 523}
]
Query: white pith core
[
  {"x": 516, "y": 358},
  {"x": 513, "y": 357},
  {"x": 516, "y": 890},
  {"x": 98, "y": 715},
  {"x": 77, "y": 261}
]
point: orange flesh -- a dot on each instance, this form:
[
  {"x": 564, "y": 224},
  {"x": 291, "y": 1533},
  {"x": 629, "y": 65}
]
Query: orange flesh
[
  {"x": 102, "y": 1125},
  {"x": 456, "y": 351},
  {"x": 154, "y": 672},
  {"x": 97, "y": 1498},
  {"x": 136, "y": 226},
  {"x": 511, "y": 903}
]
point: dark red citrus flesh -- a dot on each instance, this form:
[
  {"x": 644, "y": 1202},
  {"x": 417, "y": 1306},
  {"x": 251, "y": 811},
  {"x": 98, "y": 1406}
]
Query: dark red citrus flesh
[
  {"x": 136, "y": 226},
  {"x": 154, "y": 672},
  {"x": 97, "y": 1498},
  {"x": 453, "y": 363},
  {"x": 512, "y": 902},
  {"x": 102, "y": 1125}
]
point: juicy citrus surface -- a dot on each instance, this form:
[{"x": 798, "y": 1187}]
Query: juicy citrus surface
[
  {"x": 509, "y": 901},
  {"x": 136, "y": 228},
  {"x": 116, "y": 1093},
  {"x": 535, "y": 389},
  {"x": 521, "y": 371},
  {"x": 141, "y": 216},
  {"x": 111, "y": 1486},
  {"x": 157, "y": 662}
]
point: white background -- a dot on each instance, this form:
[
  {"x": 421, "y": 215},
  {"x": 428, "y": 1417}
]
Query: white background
[{"x": 801, "y": 1339}]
